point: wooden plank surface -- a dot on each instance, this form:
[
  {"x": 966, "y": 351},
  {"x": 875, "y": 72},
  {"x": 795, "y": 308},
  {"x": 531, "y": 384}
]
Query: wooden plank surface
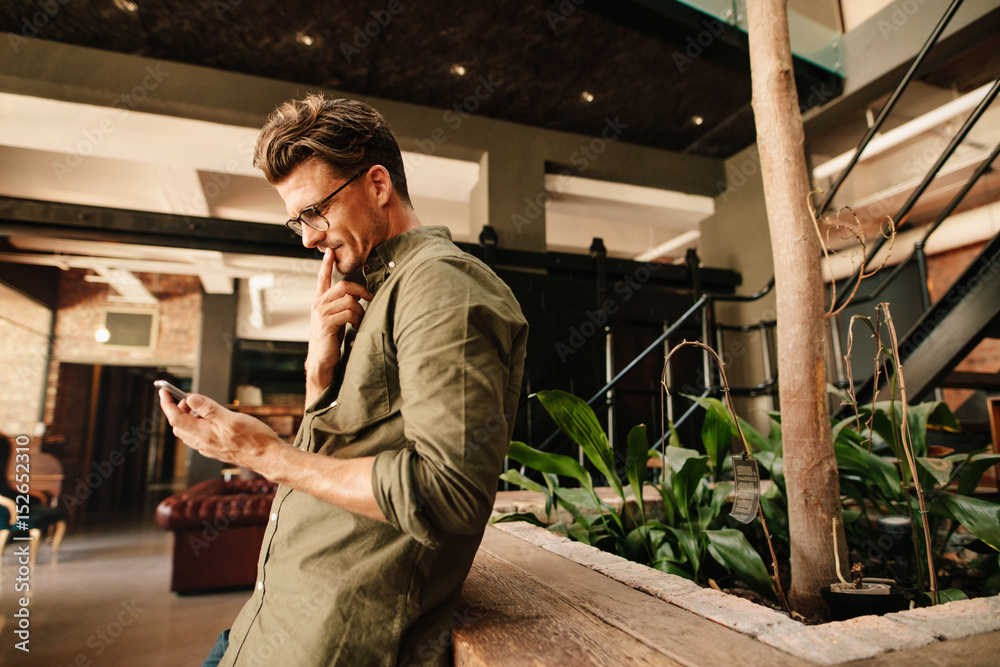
[
  {"x": 510, "y": 623},
  {"x": 975, "y": 651},
  {"x": 535, "y": 607}
]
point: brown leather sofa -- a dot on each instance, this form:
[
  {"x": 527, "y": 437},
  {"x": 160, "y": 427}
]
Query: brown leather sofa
[{"x": 218, "y": 528}]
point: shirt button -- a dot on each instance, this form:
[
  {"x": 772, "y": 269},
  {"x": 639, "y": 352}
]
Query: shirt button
[
  {"x": 260, "y": 585},
  {"x": 334, "y": 404},
  {"x": 274, "y": 516},
  {"x": 392, "y": 265}
]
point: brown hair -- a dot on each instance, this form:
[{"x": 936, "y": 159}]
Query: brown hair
[{"x": 347, "y": 135}]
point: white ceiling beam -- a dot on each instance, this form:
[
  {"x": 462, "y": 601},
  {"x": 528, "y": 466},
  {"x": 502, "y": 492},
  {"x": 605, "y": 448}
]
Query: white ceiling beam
[
  {"x": 86, "y": 130},
  {"x": 182, "y": 189},
  {"x": 128, "y": 287},
  {"x": 670, "y": 247}
]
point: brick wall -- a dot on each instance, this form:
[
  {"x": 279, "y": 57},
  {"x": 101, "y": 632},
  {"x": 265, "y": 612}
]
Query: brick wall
[
  {"x": 24, "y": 331},
  {"x": 80, "y": 314}
]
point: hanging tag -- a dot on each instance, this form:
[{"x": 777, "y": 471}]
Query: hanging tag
[{"x": 747, "y": 498}]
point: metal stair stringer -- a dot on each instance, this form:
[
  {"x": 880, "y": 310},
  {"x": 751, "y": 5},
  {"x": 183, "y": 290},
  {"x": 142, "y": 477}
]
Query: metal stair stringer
[{"x": 953, "y": 326}]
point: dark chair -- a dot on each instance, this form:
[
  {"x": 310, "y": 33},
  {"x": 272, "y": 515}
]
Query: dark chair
[{"x": 43, "y": 514}]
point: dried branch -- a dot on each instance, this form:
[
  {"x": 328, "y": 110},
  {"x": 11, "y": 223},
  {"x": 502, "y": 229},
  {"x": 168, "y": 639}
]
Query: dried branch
[
  {"x": 887, "y": 230},
  {"x": 746, "y": 446}
]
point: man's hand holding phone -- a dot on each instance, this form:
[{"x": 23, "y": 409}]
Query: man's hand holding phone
[
  {"x": 219, "y": 433},
  {"x": 176, "y": 392}
]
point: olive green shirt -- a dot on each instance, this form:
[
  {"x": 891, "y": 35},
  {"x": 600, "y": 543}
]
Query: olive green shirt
[{"x": 429, "y": 387}]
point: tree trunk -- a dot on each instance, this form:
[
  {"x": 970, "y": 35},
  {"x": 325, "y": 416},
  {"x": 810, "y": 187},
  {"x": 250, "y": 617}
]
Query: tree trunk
[{"x": 809, "y": 462}]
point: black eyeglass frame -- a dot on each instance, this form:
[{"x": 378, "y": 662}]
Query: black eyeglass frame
[{"x": 295, "y": 224}]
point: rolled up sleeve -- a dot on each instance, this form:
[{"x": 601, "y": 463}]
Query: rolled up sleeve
[{"x": 459, "y": 336}]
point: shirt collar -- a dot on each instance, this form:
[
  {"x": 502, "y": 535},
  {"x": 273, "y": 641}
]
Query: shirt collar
[{"x": 387, "y": 257}]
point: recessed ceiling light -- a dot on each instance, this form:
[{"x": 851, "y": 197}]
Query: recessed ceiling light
[
  {"x": 126, "y": 5},
  {"x": 458, "y": 70},
  {"x": 587, "y": 96},
  {"x": 697, "y": 120},
  {"x": 304, "y": 39}
]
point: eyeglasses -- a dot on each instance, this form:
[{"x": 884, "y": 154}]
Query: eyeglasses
[{"x": 311, "y": 215}]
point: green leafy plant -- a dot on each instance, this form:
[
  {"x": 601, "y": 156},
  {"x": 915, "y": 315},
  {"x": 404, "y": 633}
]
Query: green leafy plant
[
  {"x": 685, "y": 532},
  {"x": 874, "y": 480},
  {"x": 928, "y": 477}
]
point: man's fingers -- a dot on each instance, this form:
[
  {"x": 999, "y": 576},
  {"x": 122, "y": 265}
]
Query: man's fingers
[
  {"x": 356, "y": 290},
  {"x": 325, "y": 272},
  {"x": 342, "y": 311},
  {"x": 177, "y": 415},
  {"x": 204, "y": 406},
  {"x": 344, "y": 288}
]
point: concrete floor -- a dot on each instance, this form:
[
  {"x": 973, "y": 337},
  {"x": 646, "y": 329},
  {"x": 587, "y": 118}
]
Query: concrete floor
[{"x": 107, "y": 602}]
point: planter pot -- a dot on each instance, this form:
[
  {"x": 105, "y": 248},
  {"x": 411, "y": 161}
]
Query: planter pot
[{"x": 847, "y": 602}]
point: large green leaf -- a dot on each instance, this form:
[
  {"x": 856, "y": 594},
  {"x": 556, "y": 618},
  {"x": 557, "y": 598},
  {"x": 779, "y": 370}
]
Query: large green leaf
[
  {"x": 920, "y": 416},
  {"x": 757, "y": 441},
  {"x": 669, "y": 502},
  {"x": 577, "y": 420},
  {"x": 643, "y": 542},
  {"x": 635, "y": 464},
  {"x": 678, "y": 456},
  {"x": 689, "y": 548},
  {"x": 774, "y": 464},
  {"x": 557, "y": 464},
  {"x": 947, "y": 595},
  {"x": 573, "y": 508},
  {"x": 884, "y": 432},
  {"x": 519, "y": 516},
  {"x": 720, "y": 495},
  {"x": 671, "y": 567},
  {"x": 515, "y": 477},
  {"x": 871, "y": 467},
  {"x": 938, "y": 469},
  {"x": 580, "y": 532},
  {"x": 980, "y": 517},
  {"x": 846, "y": 429},
  {"x": 685, "y": 483},
  {"x": 717, "y": 436},
  {"x": 973, "y": 471},
  {"x": 730, "y": 548},
  {"x": 581, "y": 498}
]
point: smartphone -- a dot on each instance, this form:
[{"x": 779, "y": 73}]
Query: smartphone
[
  {"x": 178, "y": 394},
  {"x": 171, "y": 389}
]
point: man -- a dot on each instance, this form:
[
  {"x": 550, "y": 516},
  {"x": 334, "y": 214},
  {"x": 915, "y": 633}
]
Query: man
[{"x": 385, "y": 493}]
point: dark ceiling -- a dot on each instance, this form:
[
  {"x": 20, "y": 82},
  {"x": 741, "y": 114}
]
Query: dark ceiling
[{"x": 656, "y": 69}]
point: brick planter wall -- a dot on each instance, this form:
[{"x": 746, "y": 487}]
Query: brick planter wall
[{"x": 830, "y": 643}]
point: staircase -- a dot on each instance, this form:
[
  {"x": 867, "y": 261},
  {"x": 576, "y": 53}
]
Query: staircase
[{"x": 966, "y": 314}]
